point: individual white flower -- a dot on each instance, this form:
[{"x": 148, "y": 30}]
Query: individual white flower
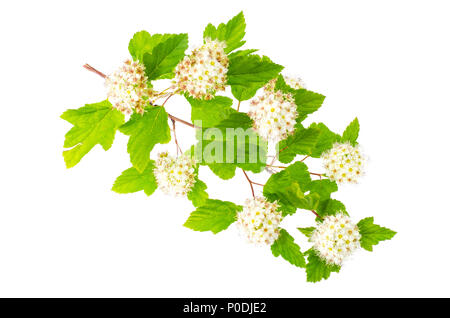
[
  {"x": 344, "y": 163},
  {"x": 174, "y": 175},
  {"x": 273, "y": 113},
  {"x": 127, "y": 88},
  {"x": 259, "y": 221},
  {"x": 296, "y": 83},
  {"x": 204, "y": 72},
  {"x": 336, "y": 238}
]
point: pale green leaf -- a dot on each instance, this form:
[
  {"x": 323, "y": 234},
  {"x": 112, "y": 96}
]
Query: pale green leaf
[
  {"x": 307, "y": 231},
  {"x": 145, "y": 132},
  {"x": 210, "y": 112},
  {"x": 317, "y": 269},
  {"x": 144, "y": 42},
  {"x": 372, "y": 234},
  {"x": 213, "y": 215},
  {"x": 198, "y": 195},
  {"x": 302, "y": 142},
  {"x": 246, "y": 74},
  {"x": 231, "y": 33},
  {"x": 131, "y": 180},
  {"x": 165, "y": 56},
  {"x": 286, "y": 247},
  {"x": 93, "y": 124},
  {"x": 351, "y": 132}
]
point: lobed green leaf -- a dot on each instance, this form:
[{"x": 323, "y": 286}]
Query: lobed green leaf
[
  {"x": 213, "y": 215},
  {"x": 286, "y": 247},
  {"x": 93, "y": 124}
]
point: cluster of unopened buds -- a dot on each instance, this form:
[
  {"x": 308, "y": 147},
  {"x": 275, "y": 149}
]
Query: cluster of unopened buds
[
  {"x": 203, "y": 73},
  {"x": 259, "y": 221},
  {"x": 174, "y": 175},
  {"x": 127, "y": 88}
]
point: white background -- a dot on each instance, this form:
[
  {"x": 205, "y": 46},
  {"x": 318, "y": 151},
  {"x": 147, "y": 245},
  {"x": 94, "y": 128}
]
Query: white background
[{"x": 64, "y": 233}]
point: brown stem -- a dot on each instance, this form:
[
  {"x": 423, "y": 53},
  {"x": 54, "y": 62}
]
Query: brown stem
[
  {"x": 260, "y": 184},
  {"x": 175, "y": 137},
  {"x": 239, "y": 104},
  {"x": 181, "y": 121},
  {"x": 90, "y": 68},
  {"x": 317, "y": 214},
  {"x": 250, "y": 182},
  {"x": 304, "y": 158}
]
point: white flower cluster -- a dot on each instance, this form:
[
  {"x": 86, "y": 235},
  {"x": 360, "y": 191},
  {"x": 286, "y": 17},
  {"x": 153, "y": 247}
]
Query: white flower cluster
[
  {"x": 336, "y": 238},
  {"x": 175, "y": 176},
  {"x": 273, "y": 113},
  {"x": 127, "y": 88},
  {"x": 295, "y": 83},
  {"x": 259, "y": 221},
  {"x": 343, "y": 163},
  {"x": 204, "y": 72}
]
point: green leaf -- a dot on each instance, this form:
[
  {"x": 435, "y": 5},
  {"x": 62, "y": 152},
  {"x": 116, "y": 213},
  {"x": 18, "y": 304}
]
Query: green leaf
[
  {"x": 131, "y": 180},
  {"x": 307, "y": 231},
  {"x": 246, "y": 74},
  {"x": 165, "y": 56},
  {"x": 286, "y": 247},
  {"x": 302, "y": 142},
  {"x": 372, "y": 234},
  {"x": 241, "y": 53},
  {"x": 224, "y": 171},
  {"x": 92, "y": 124},
  {"x": 210, "y": 112},
  {"x": 307, "y": 103},
  {"x": 317, "y": 269},
  {"x": 198, "y": 195},
  {"x": 325, "y": 141},
  {"x": 232, "y": 32},
  {"x": 323, "y": 188},
  {"x": 232, "y": 142},
  {"x": 351, "y": 132},
  {"x": 288, "y": 187},
  {"x": 145, "y": 132},
  {"x": 330, "y": 207},
  {"x": 143, "y": 42},
  {"x": 213, "y": 215}
]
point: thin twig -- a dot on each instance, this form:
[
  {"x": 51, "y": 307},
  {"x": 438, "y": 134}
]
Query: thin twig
[
  {"x": 317, "y": 214},
  {"x": 239, "y": 104},
  {"x": 93, "y": 70},
  {"x": 250, "y": 182},
  {"x": 175, "y": 138},
  {"x": 90, "y": 68},
  {"x": 304, "y": 158},
  {"x": 260, "y": 184}
]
